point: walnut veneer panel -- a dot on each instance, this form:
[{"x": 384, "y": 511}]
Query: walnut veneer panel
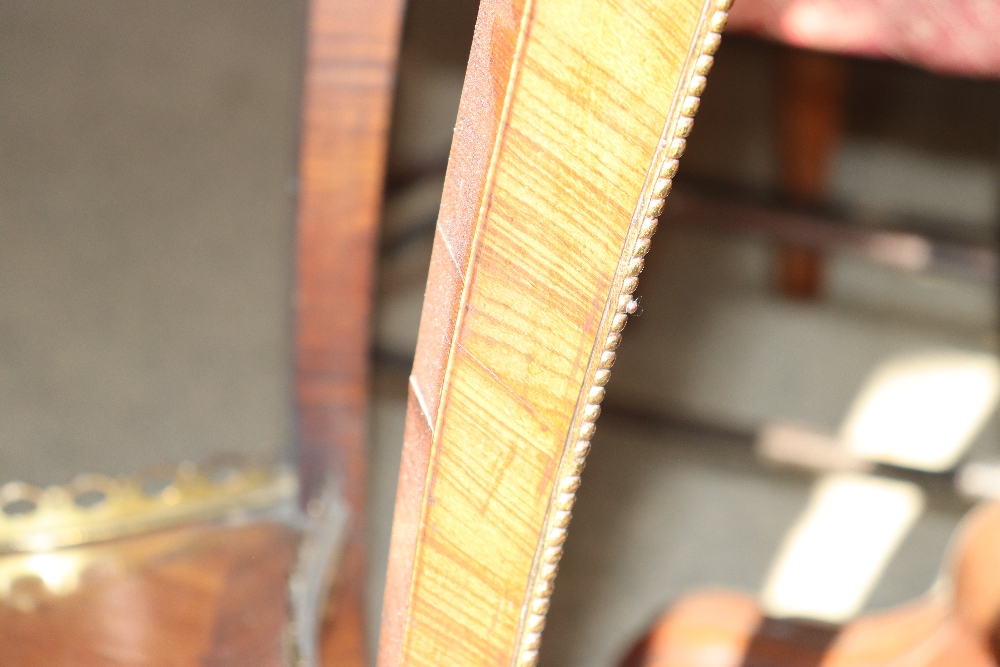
[
  {"x": 350, "y": 68},
  {"x": 571, "y": 122}
]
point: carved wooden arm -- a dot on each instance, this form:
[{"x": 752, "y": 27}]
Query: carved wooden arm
[{"x": 572, "y": 120}]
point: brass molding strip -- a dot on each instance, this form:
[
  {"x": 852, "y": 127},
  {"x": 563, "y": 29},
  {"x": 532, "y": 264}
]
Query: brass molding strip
[{"x": 93, "y": 508}]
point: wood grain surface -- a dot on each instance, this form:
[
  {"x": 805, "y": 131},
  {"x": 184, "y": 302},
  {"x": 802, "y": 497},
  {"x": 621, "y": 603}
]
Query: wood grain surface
[
  {"x": 350, "y": 68},
  {"x": 573, "y": 115},
  {"x": 204, "y": 596}
]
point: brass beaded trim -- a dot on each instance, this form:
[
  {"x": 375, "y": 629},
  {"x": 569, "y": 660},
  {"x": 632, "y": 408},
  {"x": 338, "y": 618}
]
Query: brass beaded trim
[{"x": 631, "y": 265}]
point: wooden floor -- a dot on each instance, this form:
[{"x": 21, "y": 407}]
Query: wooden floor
[{"x": 194, "y": 596}]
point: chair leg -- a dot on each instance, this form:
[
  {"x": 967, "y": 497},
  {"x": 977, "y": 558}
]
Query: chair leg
[{"x": 810, "y": 126}]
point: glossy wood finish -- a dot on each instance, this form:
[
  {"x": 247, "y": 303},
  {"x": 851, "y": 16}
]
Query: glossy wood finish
[
  {"x": 955, "y": 624},
  {"x": 202, "y": 595},
  {"x": 572, "y": 117},
  {"x": 350, "y": 68}
]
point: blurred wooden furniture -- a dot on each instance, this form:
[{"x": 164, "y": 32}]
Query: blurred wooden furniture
[
  {"x": 216, "y": 595},
  {"x": 957, "y": 623},
  {"x": 195, "y": 595},
  {"x": 811, "y": 109},
  {"x": 947, "y": 36},
  {"x": 573, "y": 117},
  {"x": 349, "y": 77}
]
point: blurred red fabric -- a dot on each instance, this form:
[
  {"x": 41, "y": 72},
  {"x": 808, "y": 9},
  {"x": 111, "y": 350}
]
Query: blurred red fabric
[{"x": 947, "y": 36}]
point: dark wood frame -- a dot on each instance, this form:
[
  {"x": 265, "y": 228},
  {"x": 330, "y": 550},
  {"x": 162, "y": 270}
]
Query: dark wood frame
[{"x": 349, "y": 77}]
